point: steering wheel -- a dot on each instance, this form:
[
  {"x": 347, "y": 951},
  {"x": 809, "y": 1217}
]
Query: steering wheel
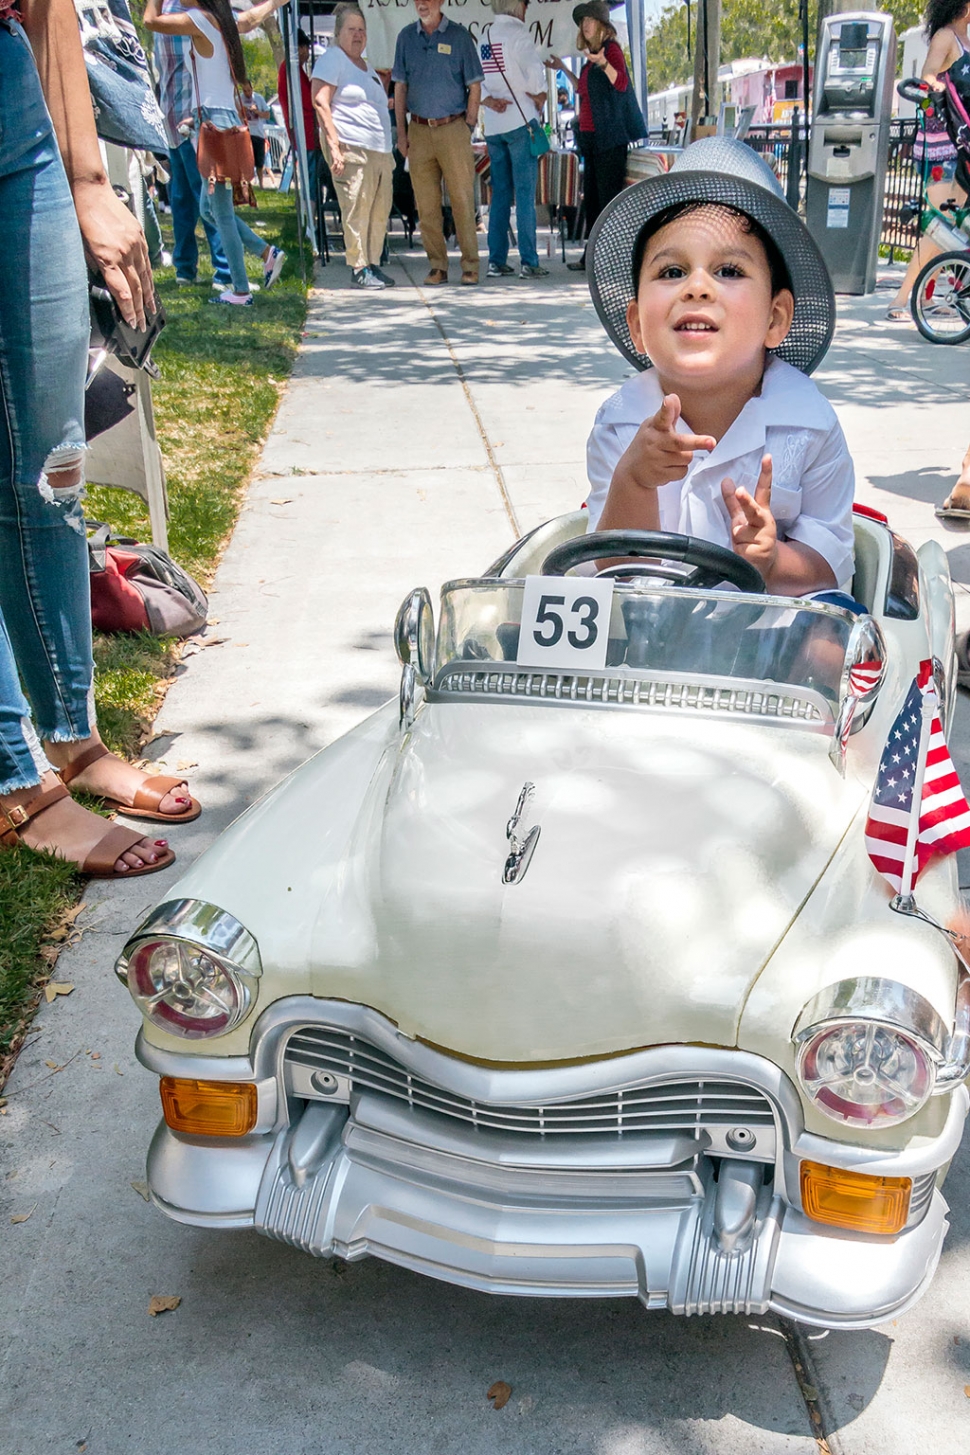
[{"x": 711, "y": 563}]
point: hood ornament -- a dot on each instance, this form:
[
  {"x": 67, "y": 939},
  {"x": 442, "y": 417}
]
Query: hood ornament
[{"x": 522, "y": 842}]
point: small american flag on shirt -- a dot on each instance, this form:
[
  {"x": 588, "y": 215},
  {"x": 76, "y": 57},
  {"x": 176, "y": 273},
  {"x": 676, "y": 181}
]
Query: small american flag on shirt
[
  {"x": 939, "y": 821},
  {"x": 492, "y": 57}
]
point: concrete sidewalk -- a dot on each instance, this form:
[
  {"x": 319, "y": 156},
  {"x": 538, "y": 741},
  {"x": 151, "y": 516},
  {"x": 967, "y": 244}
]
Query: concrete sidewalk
[{"x": 421, "y": 432}]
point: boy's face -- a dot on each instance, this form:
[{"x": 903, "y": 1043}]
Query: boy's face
[{"x": 704, "y": 308}]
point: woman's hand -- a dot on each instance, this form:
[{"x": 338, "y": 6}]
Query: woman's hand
[
  {"x": 337, "y": 161},
  {"x": 496, "y": 103},
  {"x": 115, "y": 244}
]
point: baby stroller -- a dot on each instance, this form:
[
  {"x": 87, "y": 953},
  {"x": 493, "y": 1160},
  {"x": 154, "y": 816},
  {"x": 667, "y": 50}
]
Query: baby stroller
[{"x": 940, "y": 301}]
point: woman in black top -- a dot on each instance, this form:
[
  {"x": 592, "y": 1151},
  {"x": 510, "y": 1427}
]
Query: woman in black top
[{"x": 609, "y": 116}]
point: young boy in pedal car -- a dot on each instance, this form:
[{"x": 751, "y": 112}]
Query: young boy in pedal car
[{"x": 710, "y": 284}]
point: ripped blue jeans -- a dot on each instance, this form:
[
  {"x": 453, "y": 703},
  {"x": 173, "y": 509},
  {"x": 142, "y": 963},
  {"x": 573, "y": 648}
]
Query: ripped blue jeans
[{"x": 45, "y": 614}]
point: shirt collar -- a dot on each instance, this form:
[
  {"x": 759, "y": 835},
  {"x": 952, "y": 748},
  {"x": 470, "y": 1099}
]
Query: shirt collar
[
  {"x": 439, "y": 29},
  {"x": 787, "y": 398}
]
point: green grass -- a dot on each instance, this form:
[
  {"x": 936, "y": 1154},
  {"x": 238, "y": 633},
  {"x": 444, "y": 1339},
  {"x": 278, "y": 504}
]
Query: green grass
[{"x": 222, "y": 373}]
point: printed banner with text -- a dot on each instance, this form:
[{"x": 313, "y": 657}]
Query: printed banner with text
[{"x": 550, "y": 23}]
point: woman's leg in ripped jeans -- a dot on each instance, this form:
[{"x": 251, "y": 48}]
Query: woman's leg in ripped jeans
[
  {"x": 44, "y": 328},
  {"x": 45, "y": 607}
]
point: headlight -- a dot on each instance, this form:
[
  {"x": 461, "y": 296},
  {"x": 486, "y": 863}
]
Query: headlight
[
  {"x": 868, "y": 1051},
  {"x": 192, "y": 969}
]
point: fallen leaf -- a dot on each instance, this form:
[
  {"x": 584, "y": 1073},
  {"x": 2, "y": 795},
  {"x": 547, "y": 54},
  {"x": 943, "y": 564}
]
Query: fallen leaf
[
  {"x": 284, "y": 500},
  {"x": 65, "y": 926},
  {"x": 117, "y": 1069},
  {"x": 161, "y": 1303},
  {"x": 500, "y": 1393},
  {"x": 22, "y": 1217},
  {"x": 966, "y": 1387},
  {"x": 184, "y": 764},
  {"x": 49, "y": 954},
  {"x": 53, "y": 1065},
  {"x": 54, "y": 988},
  {"x": 142, "y": 1189},
  {"x": 95, "y": 1055},
  {"x": 809, "y": 1391}
]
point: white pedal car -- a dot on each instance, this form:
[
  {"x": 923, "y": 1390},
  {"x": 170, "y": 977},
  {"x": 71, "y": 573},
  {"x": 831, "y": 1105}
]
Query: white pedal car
[{"x": 569, "y": 974}]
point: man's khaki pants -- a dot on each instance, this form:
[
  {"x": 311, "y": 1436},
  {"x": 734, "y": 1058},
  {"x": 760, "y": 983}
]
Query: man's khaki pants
[
  {"x": 364, "y": 194},
  {"x": 436, "y": 152}
]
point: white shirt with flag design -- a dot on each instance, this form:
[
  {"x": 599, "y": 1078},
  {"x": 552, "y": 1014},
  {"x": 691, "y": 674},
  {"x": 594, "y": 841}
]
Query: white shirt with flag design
[{"x": 507, "y": 46}]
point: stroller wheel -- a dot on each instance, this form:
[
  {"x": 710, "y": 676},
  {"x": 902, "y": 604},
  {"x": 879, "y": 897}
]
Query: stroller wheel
[{"x": 941, "y": 299}]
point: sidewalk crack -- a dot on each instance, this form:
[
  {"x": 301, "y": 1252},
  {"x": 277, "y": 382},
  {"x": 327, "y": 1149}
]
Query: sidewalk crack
[{"x": 493, "y": 462}]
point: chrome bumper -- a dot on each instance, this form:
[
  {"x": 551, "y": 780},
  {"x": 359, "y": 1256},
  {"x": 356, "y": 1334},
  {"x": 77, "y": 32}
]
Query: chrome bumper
[{"x": 642, "y": 1215}]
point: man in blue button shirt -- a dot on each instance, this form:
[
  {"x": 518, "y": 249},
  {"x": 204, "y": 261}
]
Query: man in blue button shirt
[{"x": 438, "y": 80}]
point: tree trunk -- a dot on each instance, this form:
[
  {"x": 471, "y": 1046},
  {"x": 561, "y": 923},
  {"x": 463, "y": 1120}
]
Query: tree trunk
[
  {"x": 707, "y": 59},
  {"x": 271, "y": 30}
]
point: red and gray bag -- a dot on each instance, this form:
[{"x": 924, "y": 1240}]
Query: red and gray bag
[{"x": 137, "y": 588}]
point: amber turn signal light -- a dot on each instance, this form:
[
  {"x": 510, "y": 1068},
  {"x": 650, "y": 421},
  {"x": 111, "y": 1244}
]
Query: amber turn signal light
[
  {"x": 209, "y": 1108},
  {"x": 854, "y": 1200}
]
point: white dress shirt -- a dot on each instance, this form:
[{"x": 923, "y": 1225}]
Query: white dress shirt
[
  {"x": 516, "y": 52},
  {"x": 813, "y": 481}
]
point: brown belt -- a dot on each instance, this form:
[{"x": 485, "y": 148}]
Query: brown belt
[{"x": 437, "y": 120}]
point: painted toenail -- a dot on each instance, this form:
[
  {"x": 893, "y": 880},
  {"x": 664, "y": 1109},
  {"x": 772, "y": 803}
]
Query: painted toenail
[{"x": 161, "y": 843}]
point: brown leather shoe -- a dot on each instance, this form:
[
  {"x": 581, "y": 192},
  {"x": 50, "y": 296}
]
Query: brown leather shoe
[
  {"x": 469, "y": 280},
  {"x": 435, "y": 278}
]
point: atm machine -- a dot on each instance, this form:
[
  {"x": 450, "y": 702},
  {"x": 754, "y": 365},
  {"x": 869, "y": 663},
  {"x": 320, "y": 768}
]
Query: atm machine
[{"x": 855, "y": 72}]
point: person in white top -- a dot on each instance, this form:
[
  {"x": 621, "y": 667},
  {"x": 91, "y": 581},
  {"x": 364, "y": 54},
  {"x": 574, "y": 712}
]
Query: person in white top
[
  {"x": 355, "y": 136},
  {"x": 513, "y": 95},
  {"x": 257, "y": 115},
  {"x": 709, "y": 283},
  {"x": 219, "y": 69}
]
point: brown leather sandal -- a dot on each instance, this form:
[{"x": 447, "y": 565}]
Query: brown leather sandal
[
  {"x": 148, "y": 797},
  {"x": 100, "y": 862}
]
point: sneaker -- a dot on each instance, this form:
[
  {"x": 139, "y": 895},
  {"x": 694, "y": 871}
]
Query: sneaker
[
  {"x": 367, "y": 278},
  {"x": 241, "y": 300},
  {"x": 530, "y": 270},
  {"x": 579, "y": 266},
  {"x": 273, "y": 266},
  {"x": 166, "y": 258},
  {"x": 226, "y": 286},
  {"x": 499, "y": 270},
  {"x": 187, "y": 282},
  {"x": 385, "y": 278}
]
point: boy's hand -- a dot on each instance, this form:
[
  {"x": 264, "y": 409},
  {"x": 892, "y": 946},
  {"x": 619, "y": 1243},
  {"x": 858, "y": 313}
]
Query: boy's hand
[
  {"x": 754, "y": 534},
  {"x": 657, "y": 453}
]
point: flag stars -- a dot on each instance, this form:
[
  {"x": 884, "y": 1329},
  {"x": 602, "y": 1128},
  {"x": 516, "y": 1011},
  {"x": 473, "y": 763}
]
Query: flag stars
[{"x": 896, "y": 758}]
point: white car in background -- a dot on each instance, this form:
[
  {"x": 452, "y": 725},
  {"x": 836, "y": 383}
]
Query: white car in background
[{"x": 569, "y": 973}]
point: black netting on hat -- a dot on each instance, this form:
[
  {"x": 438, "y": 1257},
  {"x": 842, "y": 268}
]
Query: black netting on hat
[{"x": 611, "y": 243}]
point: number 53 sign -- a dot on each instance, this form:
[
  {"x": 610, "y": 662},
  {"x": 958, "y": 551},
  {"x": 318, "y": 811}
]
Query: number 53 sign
[{"x": 565, "y": 621}]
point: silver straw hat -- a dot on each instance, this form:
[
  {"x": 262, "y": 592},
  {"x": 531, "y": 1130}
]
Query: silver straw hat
[{"x": 717, "y": 170}]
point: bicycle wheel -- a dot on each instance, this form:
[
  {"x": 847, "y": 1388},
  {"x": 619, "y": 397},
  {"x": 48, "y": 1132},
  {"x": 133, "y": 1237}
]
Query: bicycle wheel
[{"x": 940, "y": 304}]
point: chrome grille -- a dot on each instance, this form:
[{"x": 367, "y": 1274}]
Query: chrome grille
[
  {"x": 674, "y": 1106},
  {"x": 703, "y": 697},
  {"x": 920, "y": 1197}
]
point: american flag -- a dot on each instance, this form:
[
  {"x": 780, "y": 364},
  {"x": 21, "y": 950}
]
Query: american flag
[
  {"x": 492, "y": 57},
  {"x": 916, "y": 757},
  {"x": 862, "y": 678}
]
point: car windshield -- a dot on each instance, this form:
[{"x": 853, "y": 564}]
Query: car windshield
[{"x": 663, "y": 642}]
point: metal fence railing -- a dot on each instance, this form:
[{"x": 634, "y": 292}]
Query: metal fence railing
[
  {"x": 903, "y": 184},
  {"x": 903, "y": 179}
]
